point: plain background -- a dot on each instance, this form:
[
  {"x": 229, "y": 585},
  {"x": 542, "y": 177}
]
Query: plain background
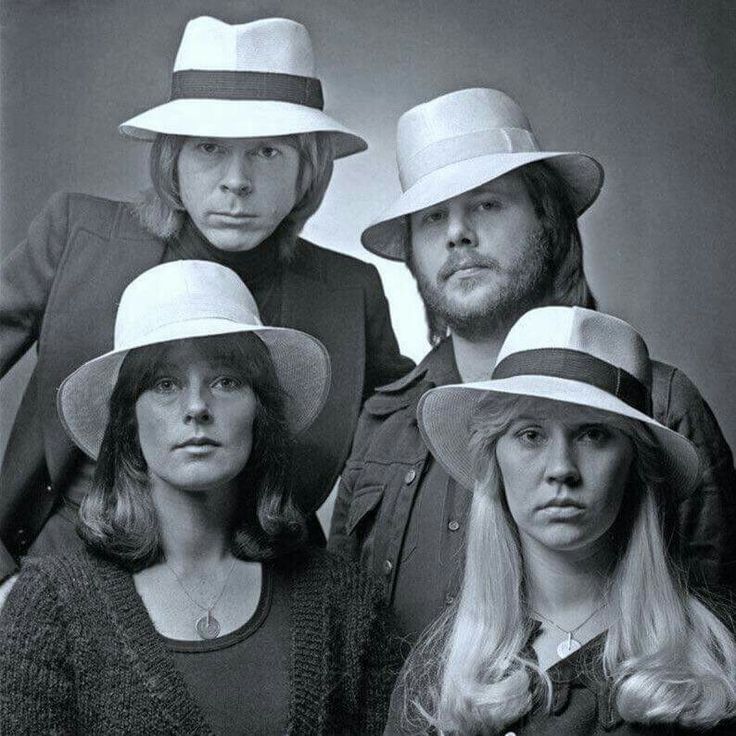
[{"x": 646, "y": 87}]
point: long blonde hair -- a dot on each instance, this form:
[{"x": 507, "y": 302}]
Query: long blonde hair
[{"x": 668, "y": 658}]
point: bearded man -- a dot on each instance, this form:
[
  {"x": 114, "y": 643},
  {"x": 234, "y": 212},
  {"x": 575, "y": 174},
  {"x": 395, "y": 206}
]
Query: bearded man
[{"x": 487, "y": 224}]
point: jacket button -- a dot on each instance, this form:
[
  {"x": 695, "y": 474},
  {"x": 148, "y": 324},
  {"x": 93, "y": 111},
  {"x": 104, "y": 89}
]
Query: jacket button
[
  {"x": 387, "y": 567},
  {"x": 454, "y": 525},
  {"x": 49, "y": 488},
  {"x": 449, "y": 599},
  {"x": 21, "y": 538},
  {"x": 410, "y": 475}
]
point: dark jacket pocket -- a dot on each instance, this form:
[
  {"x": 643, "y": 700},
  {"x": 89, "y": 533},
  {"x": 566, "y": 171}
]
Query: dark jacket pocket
[{"x": 363, "y": 507}]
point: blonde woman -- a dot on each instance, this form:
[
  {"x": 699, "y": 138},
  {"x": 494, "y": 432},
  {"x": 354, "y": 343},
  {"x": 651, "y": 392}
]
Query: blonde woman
[{"x": 573, "y": 618}]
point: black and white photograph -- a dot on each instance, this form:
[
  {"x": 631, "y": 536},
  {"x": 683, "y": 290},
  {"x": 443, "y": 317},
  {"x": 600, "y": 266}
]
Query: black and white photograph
[{"x": 366, "y": 368}]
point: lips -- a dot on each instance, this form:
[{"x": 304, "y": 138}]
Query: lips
[
  {"x": 562, "y": 503},
  {"x": 467, "y": 265},
  {"x": 198, "y": 442}
]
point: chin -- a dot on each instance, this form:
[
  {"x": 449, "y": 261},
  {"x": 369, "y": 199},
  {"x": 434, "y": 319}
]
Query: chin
[{"x": 235, "y": 242}]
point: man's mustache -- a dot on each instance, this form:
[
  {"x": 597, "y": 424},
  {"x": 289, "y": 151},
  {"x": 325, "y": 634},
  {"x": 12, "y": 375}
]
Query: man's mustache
[{"x": 457, "y": 263}]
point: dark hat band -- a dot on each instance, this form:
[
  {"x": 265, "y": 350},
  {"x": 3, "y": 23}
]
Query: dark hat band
[
  {"x": 575, "y": 365},
  {"x": 232, "y": 85}
]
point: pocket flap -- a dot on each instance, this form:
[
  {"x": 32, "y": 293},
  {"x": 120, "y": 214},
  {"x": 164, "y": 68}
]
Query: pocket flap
[{"x": 365, "y": 500}]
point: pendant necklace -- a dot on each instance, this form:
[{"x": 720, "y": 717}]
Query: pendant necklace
[
  {"x": 207, "y": 626},
  {"x": 570, "y": 644}
]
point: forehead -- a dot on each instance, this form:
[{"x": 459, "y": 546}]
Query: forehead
[
  {"x": 277, "y": 140},
  {"x": 547, "y": 410},
  {"x": 509, "y": 185},
  {"x": 196, "y": 352}
]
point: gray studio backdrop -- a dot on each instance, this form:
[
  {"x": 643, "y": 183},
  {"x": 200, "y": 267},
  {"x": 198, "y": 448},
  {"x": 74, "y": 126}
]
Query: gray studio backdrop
[{"x": 646, "y": 87}]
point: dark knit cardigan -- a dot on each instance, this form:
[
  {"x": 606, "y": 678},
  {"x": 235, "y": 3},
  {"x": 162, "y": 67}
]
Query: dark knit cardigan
[{"x": 79, "y": 654}]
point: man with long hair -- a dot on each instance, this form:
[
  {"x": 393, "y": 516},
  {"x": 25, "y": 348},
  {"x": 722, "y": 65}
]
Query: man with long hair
[{"x": 487, "y": 224}]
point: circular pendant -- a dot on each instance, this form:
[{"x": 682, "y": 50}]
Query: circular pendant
[
  {"x": 567, "y": 646},
  {"x": 208, "y": 627}
]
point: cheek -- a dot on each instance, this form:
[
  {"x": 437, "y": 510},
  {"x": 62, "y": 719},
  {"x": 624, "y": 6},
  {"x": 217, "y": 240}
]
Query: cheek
[{"x": 151, "y": 429}]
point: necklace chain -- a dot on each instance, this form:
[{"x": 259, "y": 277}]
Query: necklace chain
[
  {"x": 211, "y": 607},
  {"x": 569, "y": 632}
]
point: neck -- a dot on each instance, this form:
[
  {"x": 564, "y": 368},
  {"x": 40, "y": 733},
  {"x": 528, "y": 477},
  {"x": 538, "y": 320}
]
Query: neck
[
  {"x": 475, "y": 358},
  {"x": 558, "y": 582},
  {"x": 194, "y": 526}
]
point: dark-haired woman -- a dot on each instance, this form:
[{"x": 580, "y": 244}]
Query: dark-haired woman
[
  {"x": 195, "y": 607},
  {"x": 573, "y": 617},
  {"x": 241, "y": 158}
]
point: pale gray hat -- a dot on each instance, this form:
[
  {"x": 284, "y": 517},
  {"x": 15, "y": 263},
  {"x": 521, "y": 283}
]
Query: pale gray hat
[
  {"x": 181, "y": 300},
  {"x": 457, "y": 142},
  {"x": 251, "y": 80},
  {"x": 569, "y": 354}
]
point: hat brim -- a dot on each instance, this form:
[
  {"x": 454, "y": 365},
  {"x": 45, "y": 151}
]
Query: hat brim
[
  {"x": 301, "y": 362},
  {"x": 212, "y": 118},
  {"x": 385, "y": 237},
  {"x": 444, "y": 415}
]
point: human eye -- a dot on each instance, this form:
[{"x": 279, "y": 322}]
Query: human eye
[
  {"x": 268, "y": 152},
  {"x": 529, "y": 436},
  {"x": 209, "y": 147},
  {"x": 433, "y": 216},
  {"x": 227, "y": 383},
  {"x": 486, "y": 205},
  {"x": 164, "y": 385},
  {"x": 596, "y": 434}
]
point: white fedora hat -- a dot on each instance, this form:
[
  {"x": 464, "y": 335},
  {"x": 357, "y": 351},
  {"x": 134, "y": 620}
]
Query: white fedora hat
[
  {"x": 568, "y": 354},
  {"x": 457, "y": 142},
  {"x": 244, "y": 81},
  {"x": 181, "y": 300}
]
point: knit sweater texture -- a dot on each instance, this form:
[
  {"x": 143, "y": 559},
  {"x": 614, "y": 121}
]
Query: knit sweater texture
[{"x": 79, "y": 653}]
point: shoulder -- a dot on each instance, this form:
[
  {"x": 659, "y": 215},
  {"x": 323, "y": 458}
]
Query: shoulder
[
  {"x": 104, "y": 217},
  {"x": 674, "y": 394},
  {"x": 45, "y": 586},
  {"x": 332, "y": 267},
  {"x": 339, "y": 581}
]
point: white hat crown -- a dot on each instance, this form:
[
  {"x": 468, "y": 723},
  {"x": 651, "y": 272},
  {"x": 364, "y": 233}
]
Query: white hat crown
[
  {"x": 274, "y": 45},
  {"x": 457, "y": 126},
  {"x": 459, "y": 141},
  {"x": 165, "y": 298},
  {"x": 249, "y": 80},
  {"x": 600, "y": 335}
]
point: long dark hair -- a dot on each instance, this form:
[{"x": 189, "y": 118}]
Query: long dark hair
[{"x": 118, "y": 518}]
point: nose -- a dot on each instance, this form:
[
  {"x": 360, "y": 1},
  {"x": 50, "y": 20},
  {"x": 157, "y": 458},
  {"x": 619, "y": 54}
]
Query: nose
[
  {"x": 562, "y": 468},
  {"x": 196, "y": 407},
  {"x": 237, "y": 177},
  {"x": 460, "y": 231}
]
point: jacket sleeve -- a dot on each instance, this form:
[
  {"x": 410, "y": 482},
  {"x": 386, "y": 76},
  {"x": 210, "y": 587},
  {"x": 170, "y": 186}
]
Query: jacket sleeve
[
  {"x": 383, "y": 655},
  {"x": 36, "y": 682},
  {"x": 26, "y": 278},
  {"x": 384, "y": 362},
  {"x": 707, "y": 518}
]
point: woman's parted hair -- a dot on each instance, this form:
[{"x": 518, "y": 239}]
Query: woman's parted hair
[
  {"x": 550, "y": 196},
  {"x": 118, "y": 518},
  {"x": 667, "y": 657},
  {"x": 161, "y": 212}
]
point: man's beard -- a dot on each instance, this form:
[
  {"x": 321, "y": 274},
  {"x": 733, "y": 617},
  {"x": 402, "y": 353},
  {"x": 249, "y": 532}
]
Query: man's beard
[{"x": 526, "y": 285}]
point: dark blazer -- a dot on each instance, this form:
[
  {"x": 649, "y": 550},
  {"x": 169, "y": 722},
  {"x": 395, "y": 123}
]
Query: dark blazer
[{"x": 60, "y": 289}]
